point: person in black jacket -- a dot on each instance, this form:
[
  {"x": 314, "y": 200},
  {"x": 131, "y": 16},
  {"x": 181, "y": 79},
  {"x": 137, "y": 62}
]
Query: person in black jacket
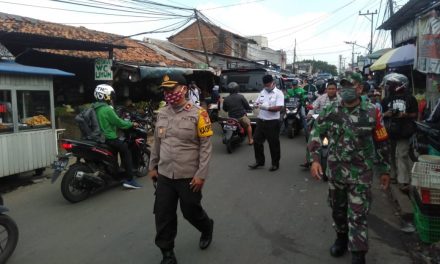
[{"x": 236, "y": 105}]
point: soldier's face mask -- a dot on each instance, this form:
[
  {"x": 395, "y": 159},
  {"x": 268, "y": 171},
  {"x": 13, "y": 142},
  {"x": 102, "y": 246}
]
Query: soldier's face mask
[
  {"x": 348, "y": 93},
  {"x": 175, "y": 96}
]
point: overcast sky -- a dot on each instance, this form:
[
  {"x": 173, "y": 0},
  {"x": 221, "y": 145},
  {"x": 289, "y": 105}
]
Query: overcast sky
[{"x": 320, "y": 27}]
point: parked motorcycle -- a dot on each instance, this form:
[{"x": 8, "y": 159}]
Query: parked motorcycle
[
  {"x": 292, "y": 118},
  {"x": 8, "y": 234},
  {"x": 96, "y": 166},
  {"x": 233, "y": 133},
  {"x": 426, "y": 135}
]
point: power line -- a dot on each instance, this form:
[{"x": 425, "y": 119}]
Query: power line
[
  {"x": 73, "y": 10},
  {"x": 118, "y": 22},
  {"x": 239, "y": 4}
]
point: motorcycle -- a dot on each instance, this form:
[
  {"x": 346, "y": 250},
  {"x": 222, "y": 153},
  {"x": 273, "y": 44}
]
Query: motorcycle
[
  {"x": 213, "y": 112},
  {"x": 96, "y": 166},
  {"x": 292, "y": 118},
  {"x": 233, "y": 133},
  {"x": 8, "y": 234},
  {"x": 426, "y": 135}
]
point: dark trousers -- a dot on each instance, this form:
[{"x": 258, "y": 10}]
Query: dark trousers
[
  {"x": 270, "y": 130},
  {"x": 168, "y": 193},
  {"x": 126, "y": 157}
]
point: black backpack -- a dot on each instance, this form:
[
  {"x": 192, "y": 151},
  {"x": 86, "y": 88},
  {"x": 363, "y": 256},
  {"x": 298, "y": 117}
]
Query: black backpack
[{"x": 89, "y": 126}]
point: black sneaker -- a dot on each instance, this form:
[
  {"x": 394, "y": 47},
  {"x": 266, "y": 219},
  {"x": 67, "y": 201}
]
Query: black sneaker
[{"x": 168, "y": 257}]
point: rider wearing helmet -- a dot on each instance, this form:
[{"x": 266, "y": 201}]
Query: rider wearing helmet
[
  {"x": 109, "y": 122},
  {"x": 236, "y": 105},
  {"x": 299, "y": 92},
  {"x": 400, "y": 110},
  {"x": 310, "y": 89}
]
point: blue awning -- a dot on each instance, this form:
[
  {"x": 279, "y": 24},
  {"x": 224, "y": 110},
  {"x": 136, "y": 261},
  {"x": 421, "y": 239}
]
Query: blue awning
[{"x": 15, "y": 68}]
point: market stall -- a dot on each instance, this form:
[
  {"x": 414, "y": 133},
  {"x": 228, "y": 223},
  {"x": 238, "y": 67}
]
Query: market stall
[{"x": 27, "y": 130}]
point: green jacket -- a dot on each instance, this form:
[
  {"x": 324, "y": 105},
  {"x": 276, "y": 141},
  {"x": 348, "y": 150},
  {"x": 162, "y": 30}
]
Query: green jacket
[
  {"x": 109, "y": 121},
  {"x": 297, "y": 92}
]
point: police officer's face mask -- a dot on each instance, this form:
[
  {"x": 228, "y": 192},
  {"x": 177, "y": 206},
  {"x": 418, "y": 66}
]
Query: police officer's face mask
[
  {"x": 174, "y": 97},
  {"x": 348, "y": 93}
]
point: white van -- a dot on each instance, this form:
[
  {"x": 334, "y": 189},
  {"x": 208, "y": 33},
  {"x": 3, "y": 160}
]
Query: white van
[{"x": 251, "y": 84}]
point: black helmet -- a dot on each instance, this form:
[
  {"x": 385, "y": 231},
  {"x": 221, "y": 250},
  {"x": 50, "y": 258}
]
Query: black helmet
[
  {"x": 294, "y": 82},
  {"x": 320, "y": 86}
]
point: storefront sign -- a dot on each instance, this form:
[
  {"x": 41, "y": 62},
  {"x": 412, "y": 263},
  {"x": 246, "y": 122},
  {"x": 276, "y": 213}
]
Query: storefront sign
[
  {"x": 103, "y": 69},
  {"x": 428, "y": 46}
]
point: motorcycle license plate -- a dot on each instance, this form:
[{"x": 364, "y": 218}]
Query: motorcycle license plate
[
  {"x": 227, "y": 127},
  {"x": 58, "y": 166}
]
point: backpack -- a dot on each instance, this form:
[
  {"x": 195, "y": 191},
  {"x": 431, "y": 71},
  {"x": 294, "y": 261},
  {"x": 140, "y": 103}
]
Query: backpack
[{"x": 89, "y": 126}]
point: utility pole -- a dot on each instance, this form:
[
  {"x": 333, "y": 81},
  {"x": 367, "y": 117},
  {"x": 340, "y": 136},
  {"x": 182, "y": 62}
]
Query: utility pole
[
  {"x": 352, "y": 52},
  {"x": 294, "y": 58},
  {"x": 196, "y": 14},
  {"x": 340, "y": 64},
  {"x": 391, "y": 6},
  {"x": 371, "y": 20}
]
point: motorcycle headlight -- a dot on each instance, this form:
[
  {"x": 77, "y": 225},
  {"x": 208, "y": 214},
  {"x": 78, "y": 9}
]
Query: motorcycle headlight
[
  {"x": 295, "y": 111},
  {"x": 325, "y": 142}
]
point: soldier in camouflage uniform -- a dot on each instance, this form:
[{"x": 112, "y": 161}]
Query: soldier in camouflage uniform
[{"x": 357, "y": 141}]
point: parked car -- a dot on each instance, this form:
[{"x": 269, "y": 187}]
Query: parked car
[{"x": 251, "y": 84}]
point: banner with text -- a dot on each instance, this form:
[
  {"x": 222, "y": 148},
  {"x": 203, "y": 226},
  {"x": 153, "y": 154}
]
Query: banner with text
[{"x": 428, "y": 43}]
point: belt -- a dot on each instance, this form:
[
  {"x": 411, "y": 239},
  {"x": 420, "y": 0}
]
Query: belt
[{"x": 267, "y": 121}]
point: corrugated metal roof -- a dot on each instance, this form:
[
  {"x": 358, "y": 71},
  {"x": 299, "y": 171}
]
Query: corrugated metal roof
[
  {"x": 406, "y": 13},
  {"x": 15, "y": 68}
]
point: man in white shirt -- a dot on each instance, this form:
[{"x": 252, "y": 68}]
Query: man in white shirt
[
  {"x": 194, "y": 93},
  {"x": 270, "y": 102}
]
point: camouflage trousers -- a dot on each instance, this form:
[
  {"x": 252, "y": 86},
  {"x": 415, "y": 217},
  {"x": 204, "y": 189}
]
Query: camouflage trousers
[{"x": 350, "y": 205}]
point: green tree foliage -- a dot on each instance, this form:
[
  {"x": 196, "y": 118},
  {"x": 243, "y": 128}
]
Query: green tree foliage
[{"x": 322, "y": 66}]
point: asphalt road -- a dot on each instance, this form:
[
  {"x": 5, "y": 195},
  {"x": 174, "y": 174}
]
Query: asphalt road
[{"x": 260, "y": 217}]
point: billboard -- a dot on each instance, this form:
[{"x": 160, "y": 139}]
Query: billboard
[{"x": 428, "y": 43}]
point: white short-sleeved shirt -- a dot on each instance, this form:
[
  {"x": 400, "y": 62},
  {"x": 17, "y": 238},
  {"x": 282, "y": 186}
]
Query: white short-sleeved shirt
[{"x": 272, "y": 98}]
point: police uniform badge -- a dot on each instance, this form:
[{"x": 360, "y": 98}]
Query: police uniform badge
[{"x": 204, "y": 126}]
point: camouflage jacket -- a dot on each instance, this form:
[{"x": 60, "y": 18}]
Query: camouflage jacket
[{"x": 357, "y": 141}]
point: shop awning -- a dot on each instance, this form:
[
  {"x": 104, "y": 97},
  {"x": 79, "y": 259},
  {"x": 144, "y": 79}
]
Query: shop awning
[
  {"x": 378, "y": 53},
  {"x": 15, "y": 68},
  {"x": 397, "y": 57},
  {"x": 159, "y": 72}
]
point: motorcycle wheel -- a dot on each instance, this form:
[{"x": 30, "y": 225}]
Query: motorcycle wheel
[
  {"x": 290, "y": 132},
  {"x": 145, "y": 162},
  {"x": 8, "y": 237},
  {"x": 72, "y": 188},
  {"x": 229, "y": 146}
]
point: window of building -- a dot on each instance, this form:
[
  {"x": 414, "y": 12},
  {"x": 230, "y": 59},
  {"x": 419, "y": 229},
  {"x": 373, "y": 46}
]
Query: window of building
[
  {"x": 6, "y": 124},
  {"x": 33, "y": 109}
]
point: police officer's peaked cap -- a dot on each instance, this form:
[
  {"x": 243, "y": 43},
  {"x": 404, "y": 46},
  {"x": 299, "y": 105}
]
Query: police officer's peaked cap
[
  {"x": 170, "y": 80},
  {"x": 348, "y": 81}
]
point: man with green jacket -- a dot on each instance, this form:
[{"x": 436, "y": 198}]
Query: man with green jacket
[
  {"x": 109, "y": 122},
  {"x": 299, "y": 92}
]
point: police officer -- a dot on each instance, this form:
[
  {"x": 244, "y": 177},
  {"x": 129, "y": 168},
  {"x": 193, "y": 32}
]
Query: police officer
[
  {"x": 270, "y": 102},
  {"x": 179, "y": 164},
  {"x": 357, "y": 139}
]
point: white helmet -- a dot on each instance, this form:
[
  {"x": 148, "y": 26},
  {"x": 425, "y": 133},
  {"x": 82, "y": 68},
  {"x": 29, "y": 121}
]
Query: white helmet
[{"x": 104, "y": 92}]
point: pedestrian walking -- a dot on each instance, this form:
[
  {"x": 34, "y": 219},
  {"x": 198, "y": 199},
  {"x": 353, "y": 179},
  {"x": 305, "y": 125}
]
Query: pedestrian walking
[
  {"x": 179, "y": 165},
  {"x": 357, "y": 141},
  {"x": 270, "y": 102}
]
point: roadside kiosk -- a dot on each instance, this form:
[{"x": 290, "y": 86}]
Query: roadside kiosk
[{"x": 27, "y": 127}]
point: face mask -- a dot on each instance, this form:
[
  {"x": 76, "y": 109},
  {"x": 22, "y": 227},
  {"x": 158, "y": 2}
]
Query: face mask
[
  {"x": 174, "y": 97},
  {"x": 348, "y": 94}
]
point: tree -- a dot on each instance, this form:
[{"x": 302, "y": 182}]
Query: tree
[{"x": 322, "y": 66}]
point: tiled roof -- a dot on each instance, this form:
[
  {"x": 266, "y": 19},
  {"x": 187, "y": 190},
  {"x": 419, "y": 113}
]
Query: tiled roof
[{"x": 135, "y": 52}]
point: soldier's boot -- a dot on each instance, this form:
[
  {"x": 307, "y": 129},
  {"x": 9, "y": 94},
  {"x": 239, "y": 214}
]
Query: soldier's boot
[
  {"x": 358, "y": 257},
  {"x": 168, "y": 257},
  {"x": 340, "y": 246}
]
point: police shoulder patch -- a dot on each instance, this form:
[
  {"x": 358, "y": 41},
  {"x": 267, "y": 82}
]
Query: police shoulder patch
[{"x": 204, "y": 126}]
